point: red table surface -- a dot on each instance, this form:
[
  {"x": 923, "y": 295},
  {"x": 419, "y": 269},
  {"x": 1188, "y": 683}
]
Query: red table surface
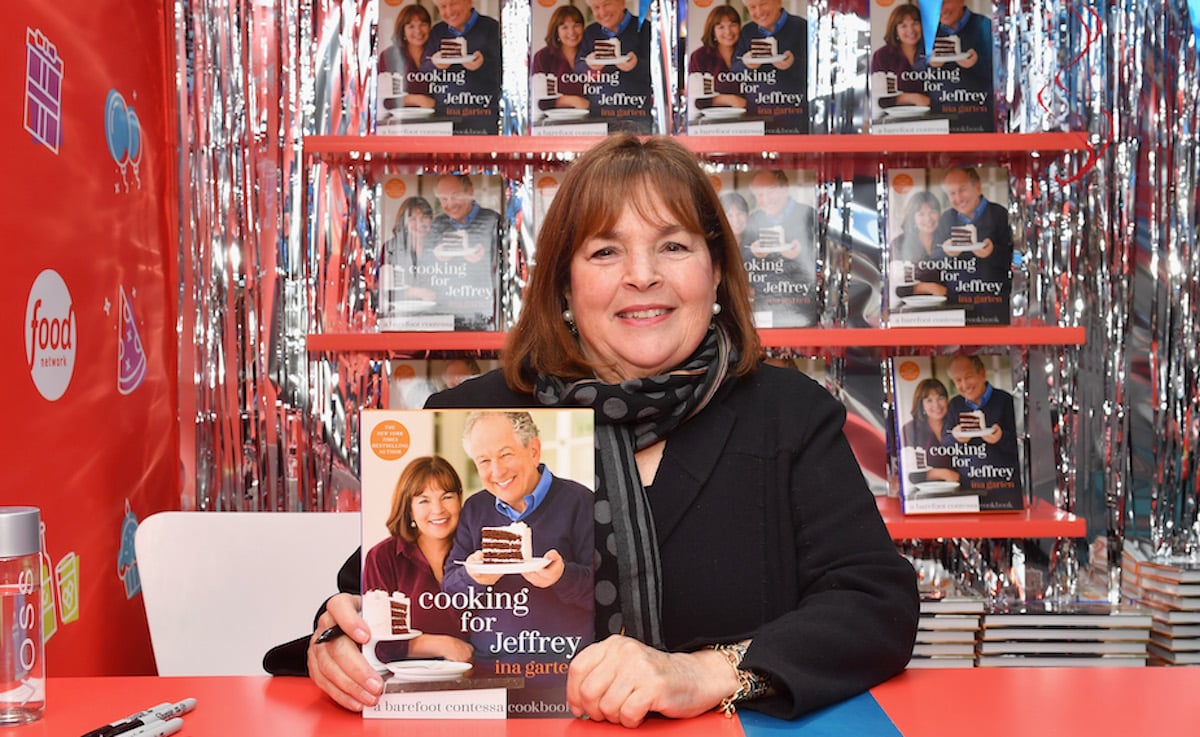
[
  {"x": 1055, "y": 702},
  {"x": 254, "y": 706}
]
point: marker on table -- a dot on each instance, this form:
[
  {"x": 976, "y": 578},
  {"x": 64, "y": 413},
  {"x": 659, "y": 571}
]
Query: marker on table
[
  {"x": 146, "y": 717},
  {"x": 156, "y": 729}
]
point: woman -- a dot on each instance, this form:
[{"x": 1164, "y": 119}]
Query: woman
[
  {"x": 903, "y": 52},
  {"x": 406, "y": 250},
  {"x": 560, "y": 58},
  {"x": 737, "y": 212},
  {"x": 406, "y": 59},
  {"x": 930, "y": 403},
  {"x": 741, "y": 509},
  {"x": 916, "y": 245},
  {"x": 424, "y": 517},
  {"x": 722, "y": 28}
]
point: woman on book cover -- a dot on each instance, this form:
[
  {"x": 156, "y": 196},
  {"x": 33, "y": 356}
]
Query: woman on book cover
[
  {"x": 929, "y": 404},
  {"x": 715, "y": 57},
  {"x": 917, "y": 245},
  {"x": 560, "y": 58},
  {"x": 406, "y": 54},
  {"x": 426, "y": 504},
  {"x": 902, "y": 53},
  {"x": 737, "y": 212},
  {"x": 741, "y": 558},
  {"x": 408, "y": 249}
]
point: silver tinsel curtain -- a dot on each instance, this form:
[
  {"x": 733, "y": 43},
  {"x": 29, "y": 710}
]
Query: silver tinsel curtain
[{"x": 275, "y": 245}]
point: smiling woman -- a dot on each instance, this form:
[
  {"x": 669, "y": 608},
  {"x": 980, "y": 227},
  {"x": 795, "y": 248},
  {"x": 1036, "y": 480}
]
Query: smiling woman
[{"x": 741, "y": 557}]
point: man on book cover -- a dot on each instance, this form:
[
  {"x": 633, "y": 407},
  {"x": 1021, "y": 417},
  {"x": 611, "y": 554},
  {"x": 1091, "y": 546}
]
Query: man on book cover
[
  {"x": 556, "y": 600},
  {"x": 777, "y": 78},
  {"x": 778, "y": 248},
  {"x": 464, "y": 47},
  {"x": 980, "y": 271},
  {"x": 464, "y": 237},
  {"x": 616, "y": 49},
  {"x": 969, "y": 93},
  {"x": 984, "y": 452}
]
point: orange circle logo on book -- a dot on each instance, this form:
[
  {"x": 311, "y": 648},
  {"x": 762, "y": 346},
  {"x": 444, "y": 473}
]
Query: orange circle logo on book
[
  {"x": 886, "y": 3},
  {"x": 390, "y": 440},
  {"x": 395, "y": 188},
  {"x": 394, "y": 3},
  {"x": 703, "y": 3},
  {"x": 547, "y": 3},
  {"x": 902, "y": 183},
  {"x": 909, "y": 370}
]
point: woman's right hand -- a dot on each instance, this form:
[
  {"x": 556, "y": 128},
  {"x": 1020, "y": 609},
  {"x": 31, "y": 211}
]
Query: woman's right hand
[{"x": 338, "y": 666}]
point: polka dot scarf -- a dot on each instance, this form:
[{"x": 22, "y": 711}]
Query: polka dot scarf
[{"x": 630, "y": 416}]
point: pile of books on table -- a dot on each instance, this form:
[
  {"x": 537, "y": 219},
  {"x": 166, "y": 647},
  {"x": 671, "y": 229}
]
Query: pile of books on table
[
  {"x": 1076, "y": 633},
  {"x": 947, "y": 631},
  {"x": 1170, "y": 591}
]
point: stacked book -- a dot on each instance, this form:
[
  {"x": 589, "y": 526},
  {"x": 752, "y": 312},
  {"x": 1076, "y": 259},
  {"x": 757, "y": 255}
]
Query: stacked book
[
  {"x": 1080, "y": 633},
  {"x": 1170, "y": 591},
  {"x": 946, "y": 634}
]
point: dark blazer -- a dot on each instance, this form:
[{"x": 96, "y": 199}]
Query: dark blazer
[{"x": 767, "y": 530}]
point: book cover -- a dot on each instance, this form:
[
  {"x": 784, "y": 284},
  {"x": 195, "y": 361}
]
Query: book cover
[
  {"x": 952, "y": 89},
  {"x": 475, "y": 615},
  {"x": 949, "y": 247},
  {"x": 591, "y": 68},
  {"x": 772, "y": 214},
  {"x": 957, "y": 425},
  {"x": 412, "y": 381},
  {"x": 439, "y": 68},
  {"x": 747, "y": 67},
  {"x": 440, "y": 253}
]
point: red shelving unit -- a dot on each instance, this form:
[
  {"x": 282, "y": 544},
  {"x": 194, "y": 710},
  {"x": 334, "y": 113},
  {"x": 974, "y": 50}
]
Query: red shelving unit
[
  {"x": 1025, "y": 334},
  {"x": 1040, "y": 520},
  {"x": 511, "y": 148}
]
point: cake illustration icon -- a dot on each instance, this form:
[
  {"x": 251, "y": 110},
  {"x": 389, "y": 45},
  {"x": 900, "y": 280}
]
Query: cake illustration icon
[
  {"x": 607, "y": 50},
  {"x": 946, "y": 47},
  {"x": 764, "y": 48},
  {"x": 131, "y": 359}
]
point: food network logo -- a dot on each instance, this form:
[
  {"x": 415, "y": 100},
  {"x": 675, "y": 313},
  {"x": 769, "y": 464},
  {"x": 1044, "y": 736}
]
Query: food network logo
[{"x": 50, "y": 334}]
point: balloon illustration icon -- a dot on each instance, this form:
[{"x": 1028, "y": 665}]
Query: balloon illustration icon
[{"x": 123, "y": 133}]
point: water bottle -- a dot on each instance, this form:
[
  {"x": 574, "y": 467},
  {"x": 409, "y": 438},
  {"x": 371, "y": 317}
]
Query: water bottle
[{"x": 22, "y": 668}]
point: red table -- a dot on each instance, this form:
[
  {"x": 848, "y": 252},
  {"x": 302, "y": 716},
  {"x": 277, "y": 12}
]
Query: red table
[{"x": 980, "y": 702}]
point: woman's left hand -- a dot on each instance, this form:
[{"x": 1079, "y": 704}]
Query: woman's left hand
[{"x": 621, "y": 680}]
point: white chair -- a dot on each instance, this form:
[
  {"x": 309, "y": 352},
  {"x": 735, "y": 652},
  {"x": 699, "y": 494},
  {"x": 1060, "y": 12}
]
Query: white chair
[{"x": 221, "y": 588}]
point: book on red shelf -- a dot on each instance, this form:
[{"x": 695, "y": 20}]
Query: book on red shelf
[
  {"x": 953, "y": 605},
  {"x": 440, "y": 252},
  {"x": 941, "y": 661},
  {"x": 948, "y": 622},
  {"x": 1166, "y": 629},
  {"x": 965, "y": 649},
  {"x": 1171, "y": 601},
  {"x": 1065, "y": 632},
  {"x": 1167, "y": 614},
  {"x": 1177, "y": 644},
  {"x": 1066, "y": 614},
  {"x": 772, "y": 213},
  {"x": 932, "y": 636},
  {"x": 1160, "y": 655},
  {"x": 1062, "y": 647},
  {"x": 489, "y": 631},
  {"x": 949, "y": 246},
  {"x": 958, "y": 426},
  {"x": 438, "y": 76},
  {"x": 1061, "y": 661},
  {"x": 951, "y": 90}
]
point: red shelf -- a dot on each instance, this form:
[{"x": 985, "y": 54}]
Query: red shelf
[
  {"x": 1040, "y": 520},
  {"x": 541, "y": 148},
  {"x": 1032, "y": 334}
]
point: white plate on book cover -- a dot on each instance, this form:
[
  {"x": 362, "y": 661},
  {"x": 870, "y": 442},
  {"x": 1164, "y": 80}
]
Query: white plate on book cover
[
  {"x": 722, "y": 113},
  {"x": 439, "y": 59},
  {"x": 455, "y": 252},
  {"x": 924, "y": 300},
  {"x": 410, "y": 113},
  {"x": 936, "y": 487},
  {"x": 971, "y": 433},
  {"x": 412, "y": 306},
  {"x": 524, "y": 566},
  {"x": 567, "y": 113},
  {"x": 398, "y": 638},
  {"x": 763, "y": 59},
  {"x": 772, "y": 249},
  {"x": 955, "y": 250},
  {"x": 591, "y": 59},
  {"x": 905, "y": 111},
  {"x": 949, "y": 58},
  {"x": 427, "y": 670}
]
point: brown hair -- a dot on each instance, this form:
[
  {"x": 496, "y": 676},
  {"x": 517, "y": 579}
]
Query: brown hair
[
  {"x": 594, "y": 193},
  {"x": 715, "y": 16},
  {"x": 902, "y": 12},
  {"x": 557, "y": 18},
  {"x": 925, "y": 388},
  {"x": 417, "y": 475}
]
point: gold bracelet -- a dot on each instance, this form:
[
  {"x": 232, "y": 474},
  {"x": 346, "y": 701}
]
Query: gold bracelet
[{"x": 751, "y": 685}]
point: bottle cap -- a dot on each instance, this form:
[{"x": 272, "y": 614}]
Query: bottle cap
[{"x": 20, "y": 531}]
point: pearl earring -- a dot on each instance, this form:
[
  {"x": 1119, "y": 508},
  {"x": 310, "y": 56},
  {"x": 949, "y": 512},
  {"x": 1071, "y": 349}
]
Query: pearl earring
[
  {"x": 568, "y": 317},
  {"x": 716, "y": 308}
]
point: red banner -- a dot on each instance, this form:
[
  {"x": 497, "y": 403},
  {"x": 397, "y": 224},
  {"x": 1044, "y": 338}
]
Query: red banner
[{"x": 88, "y": 351}]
